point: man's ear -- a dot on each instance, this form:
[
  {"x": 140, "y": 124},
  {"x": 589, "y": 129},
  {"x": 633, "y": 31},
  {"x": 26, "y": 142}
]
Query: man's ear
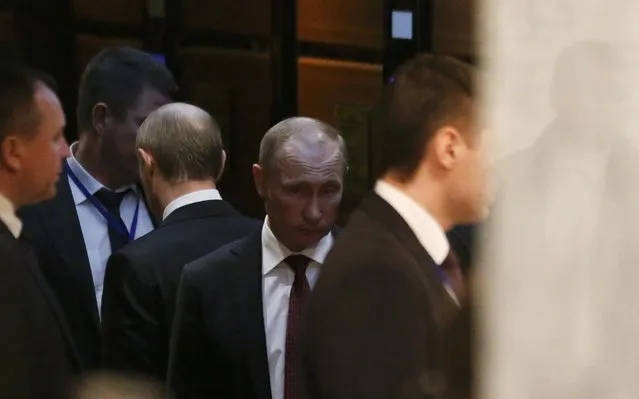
[
  {"x": 222, "y": 166},
  {"x": 447, "y": 146},
  {"x": 11, "y": 152},
  {"x": 258, "y": 179},
  {"x": 99, "y": 116},
  {"x": 146, "y": 159}
]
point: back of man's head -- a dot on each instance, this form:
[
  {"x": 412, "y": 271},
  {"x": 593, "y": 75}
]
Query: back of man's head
[
  {"x": 427, "y": 92},
  {"x": 116, "y": 77},
  {"x": 185, "y": 142}
]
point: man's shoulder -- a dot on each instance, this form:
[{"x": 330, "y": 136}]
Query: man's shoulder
[
  {"x": 363, "y": 244},
  {"x": 362, "y": 231},
  {"x": 32, "y": 214},
  {"x": 188, "y": 235},
  {"x": 225, "y": 259}
]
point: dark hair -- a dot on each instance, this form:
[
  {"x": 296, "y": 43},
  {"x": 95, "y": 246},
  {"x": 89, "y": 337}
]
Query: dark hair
[
  {"x": 116, "y": 77},
  {"x": 427, "y": 92},
  {"x": 18, "y": 111}
]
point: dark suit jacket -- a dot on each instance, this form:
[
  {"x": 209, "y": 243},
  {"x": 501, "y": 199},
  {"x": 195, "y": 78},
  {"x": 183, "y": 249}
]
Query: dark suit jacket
[
  {"x": 53, "y": 228},
  {"x": 37, "y": 356},
  {"x": 141, "y": 283},
  {"x": 218, "y": 347},
  {"x": 375, "y": 323}
]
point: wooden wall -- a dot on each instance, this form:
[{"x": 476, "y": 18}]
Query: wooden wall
[
  {"x": 454, "y": 27},
  {"x": 220, "y": 53}
]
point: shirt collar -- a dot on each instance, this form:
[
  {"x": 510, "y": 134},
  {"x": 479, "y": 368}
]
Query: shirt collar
[
  {"x": 191, "y": 198},
  {"x": 274, "y": 252},
  {"x": 427, "y": 230},
  {"x": 89, "y": 182},
  {"x": 8, "y": 216}
]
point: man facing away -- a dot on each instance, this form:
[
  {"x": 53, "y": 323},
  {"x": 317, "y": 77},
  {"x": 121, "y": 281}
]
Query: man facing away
[
  {"x": 375, "y": 325},
  {"x": 181, "y": 159},
  {"x": 239, "y": 308},
  {"x": 37, "y": 355},
  {"x": 98, "y": 207}
]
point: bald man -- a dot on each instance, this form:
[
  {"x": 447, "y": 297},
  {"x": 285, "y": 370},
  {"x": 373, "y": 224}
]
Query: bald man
[
  {"x": 239, "y": 307},
  {"x": 141, "y": 279}
]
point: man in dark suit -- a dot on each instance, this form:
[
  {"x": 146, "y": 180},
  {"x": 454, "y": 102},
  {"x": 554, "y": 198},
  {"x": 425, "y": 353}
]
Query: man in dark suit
[
  {"x": 376, "y": 322},
  {"x": 142, "y": 278},
  {"x": 239, "y": 308},
  {"x": 99, "y": 206},
  {"x": 38, "y": 358}
]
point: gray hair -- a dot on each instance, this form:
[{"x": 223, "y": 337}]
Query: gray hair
[
  {"x": 185, "y": 142},
  {"x": 301, "y": 128}
]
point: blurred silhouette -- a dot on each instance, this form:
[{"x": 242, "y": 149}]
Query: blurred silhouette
[
  {"x": 38, "y": 358},
  {"x": 563, "y": 241},
  {"x": 377, "y": 322}
]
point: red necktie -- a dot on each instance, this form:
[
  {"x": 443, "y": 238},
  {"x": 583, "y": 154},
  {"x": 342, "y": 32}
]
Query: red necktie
[
  {"x": 296, "y": 305},
  {"x": 455, "y": 278}
]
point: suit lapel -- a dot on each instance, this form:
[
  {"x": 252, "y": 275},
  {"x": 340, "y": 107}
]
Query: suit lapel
[
  {"x": 60, "y": 220},
  {"x": 249, "y": 283},
  {"x": 385, "y": 214}
]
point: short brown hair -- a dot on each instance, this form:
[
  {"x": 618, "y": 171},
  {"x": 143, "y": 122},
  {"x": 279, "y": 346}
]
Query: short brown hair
[
  {"x": 184, "y": 140},
  {"x": 18, "y": 109},
  {"x": 426, "y": 92}
]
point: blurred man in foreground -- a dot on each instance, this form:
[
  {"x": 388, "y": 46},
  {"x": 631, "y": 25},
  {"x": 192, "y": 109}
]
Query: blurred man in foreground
[
  {"x": 390, "y": 287},
  {"x": 38, "y": 358}
]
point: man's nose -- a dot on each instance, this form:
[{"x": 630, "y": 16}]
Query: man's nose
[{"x": 312, "y": 211}]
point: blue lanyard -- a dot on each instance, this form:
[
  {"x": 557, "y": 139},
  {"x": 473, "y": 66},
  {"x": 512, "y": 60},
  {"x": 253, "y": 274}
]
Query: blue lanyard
[{"x": 112, "y": 220}]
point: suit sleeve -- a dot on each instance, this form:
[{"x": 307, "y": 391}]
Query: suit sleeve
[
  {"x": 131, "y": 325},
  {"x": 187, "y": 373},
  {"x": 368, "y": 340},
  {"x": 15, "y": 375}
]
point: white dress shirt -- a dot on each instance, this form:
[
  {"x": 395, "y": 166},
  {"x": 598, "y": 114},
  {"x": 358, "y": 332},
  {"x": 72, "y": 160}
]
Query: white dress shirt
[
  {"x": 427, "y": 230},
  {"x": 8, "y": 216},
  {"x": 277, "y": 280},
  {"x": 191, "y": 198},
  {"x": 93, "y": 225}
]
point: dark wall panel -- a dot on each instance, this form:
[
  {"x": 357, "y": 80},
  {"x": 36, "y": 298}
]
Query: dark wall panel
[
  {"x": 454, "y": 27},
  {"x": 241, "y": 17},
  {"x": 238, "y": 83},
  {"x": 352, "y": 22},
  {"x": 110, "y": 11},
  {"x": 344, "y": 94},
  {"x": 88, "y": 46},
  {"x": 7, "y": 29}
]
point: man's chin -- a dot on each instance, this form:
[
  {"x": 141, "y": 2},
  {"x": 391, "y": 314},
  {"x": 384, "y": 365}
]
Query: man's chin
[
  {"x": 311, "y": 238},
  {"x": 46, "y": 196}
]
